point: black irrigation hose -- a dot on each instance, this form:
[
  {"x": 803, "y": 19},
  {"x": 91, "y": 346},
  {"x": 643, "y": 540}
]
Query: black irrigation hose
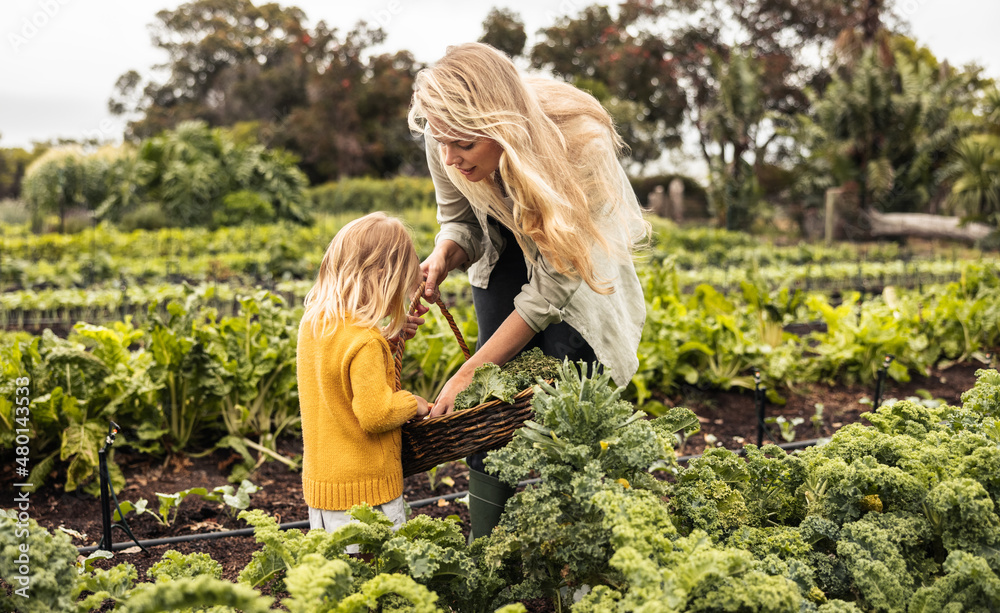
[
  {"x": 188, "y": 537},
  {"x": 292, "y": 525},
  {"x": 414, "y": 505}
]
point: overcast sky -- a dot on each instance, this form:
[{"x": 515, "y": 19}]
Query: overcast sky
[{"x": 59, "y": 59}]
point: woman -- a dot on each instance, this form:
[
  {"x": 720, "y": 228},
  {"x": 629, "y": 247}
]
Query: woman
[{"x": 534, "y": 204}]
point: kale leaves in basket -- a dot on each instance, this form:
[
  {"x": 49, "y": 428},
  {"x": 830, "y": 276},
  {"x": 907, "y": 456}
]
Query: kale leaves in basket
[{"x": 491, "y": 381}]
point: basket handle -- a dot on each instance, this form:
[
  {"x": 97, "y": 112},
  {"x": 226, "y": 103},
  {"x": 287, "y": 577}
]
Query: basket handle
[{"x": 399, "y": 344}]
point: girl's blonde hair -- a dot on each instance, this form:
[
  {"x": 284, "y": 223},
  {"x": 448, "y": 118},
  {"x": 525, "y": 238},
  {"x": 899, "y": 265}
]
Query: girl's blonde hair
[
  {"x": 559, "y": 162},
  {"x": 366, "y": 276}
]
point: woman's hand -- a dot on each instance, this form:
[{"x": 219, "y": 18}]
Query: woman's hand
[
  {"x": 445, "y": 402},
  {"x": 446, "y": 257}
]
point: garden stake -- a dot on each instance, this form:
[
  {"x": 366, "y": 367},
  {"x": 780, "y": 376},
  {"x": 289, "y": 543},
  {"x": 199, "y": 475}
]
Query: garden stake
[
  {"x": 106, "y": 488},
  {"x": 759, "y": 398},
  {"x": 881, "y": 379},
  {"x": 123, "y": 285}
]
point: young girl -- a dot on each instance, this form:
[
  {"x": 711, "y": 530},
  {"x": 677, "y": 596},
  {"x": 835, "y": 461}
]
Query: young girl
[{"x": 351, "y": 417}]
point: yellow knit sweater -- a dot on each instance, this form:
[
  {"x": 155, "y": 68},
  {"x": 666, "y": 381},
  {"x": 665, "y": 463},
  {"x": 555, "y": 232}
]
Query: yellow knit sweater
[{"x": 351, "y": 418}]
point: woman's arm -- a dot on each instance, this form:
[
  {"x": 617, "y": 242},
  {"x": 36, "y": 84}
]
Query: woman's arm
[
  {"x": 539, "y": 304},
  {"x": 509, "y": 339}
]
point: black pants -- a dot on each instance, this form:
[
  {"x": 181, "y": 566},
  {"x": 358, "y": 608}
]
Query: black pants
[{"x": 495, "y": 304}]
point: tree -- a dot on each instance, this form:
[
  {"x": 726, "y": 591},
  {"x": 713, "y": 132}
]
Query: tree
[
  {"x": 732, "y": 124},
  {"x": 229, "y": 61},
  {"x": 662, "y": 61},
  {"x": 888, "y": 129},
  {"x": 504, "y": 29},
  {"x": 974, "y": 170},
  {"x": 309, "y": 90},
  {"x": 62, "y": 179},
  {"x": 355, "y": 122},
  {"x": 636, "y": 73},
  {"x": 772, "y": 37}
]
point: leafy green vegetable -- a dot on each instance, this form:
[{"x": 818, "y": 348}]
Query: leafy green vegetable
[
  {"x": 585, "y": 441},
  {"x": 47, "y": 581},
  {"x": 115, "y": 584},
  {"x": 190, "y": 592},
  {"x": 431, "y": 551},
  {"x": 175, "y": 565},
  {"x": 529, "y": 366},
  {"x": 964, "y": 517},
  {"x": 968, "y": 585},
  {"x": 683, "y": 574},
  {"x": 492, "y": 382},
  {"x": 488, "y": 382}
]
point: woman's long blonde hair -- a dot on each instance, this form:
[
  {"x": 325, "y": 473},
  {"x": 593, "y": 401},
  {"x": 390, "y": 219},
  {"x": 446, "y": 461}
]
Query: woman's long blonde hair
[
  {"x": 559, "y": 162},
  {"x": 367, "y": 275}
]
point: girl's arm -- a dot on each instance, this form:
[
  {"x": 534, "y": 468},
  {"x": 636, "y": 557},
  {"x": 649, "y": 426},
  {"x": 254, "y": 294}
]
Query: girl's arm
[
  {"x": 377, "y": 407},
  {"x": 509, "y": 339}
]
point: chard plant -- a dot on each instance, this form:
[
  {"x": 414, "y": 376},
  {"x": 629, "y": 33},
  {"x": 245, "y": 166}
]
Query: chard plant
[
  {"x": 190, "y": 377},
  {"x": 257, "y": 350},
  {"x": 234, "y": 500},
  {"x": 78, "y": 384}
]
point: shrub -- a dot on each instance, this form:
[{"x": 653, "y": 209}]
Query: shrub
[
  {"x": 244, "y": 206},
  {"x": 365, "y": 194},
  {"x": 148, "y": 216}
]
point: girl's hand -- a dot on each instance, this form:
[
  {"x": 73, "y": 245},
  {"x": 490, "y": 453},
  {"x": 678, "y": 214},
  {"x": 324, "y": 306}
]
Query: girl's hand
[
  {"x": 423, "y": 407},
  {"x": 412, "y": 323}
]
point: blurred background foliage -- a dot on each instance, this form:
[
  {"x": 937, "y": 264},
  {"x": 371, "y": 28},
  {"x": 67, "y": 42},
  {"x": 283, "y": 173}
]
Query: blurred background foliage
[{"x": 261, "y": 117}]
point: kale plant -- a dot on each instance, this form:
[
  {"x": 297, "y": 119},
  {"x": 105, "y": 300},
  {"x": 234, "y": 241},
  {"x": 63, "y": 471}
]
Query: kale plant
[
  {"x": 493, "y": 382},
  {"x": 431, "y": 551},
  {"x": 488, "y": 383},
  {"x": 531, "y": 366},
  {"x": 585, "y": 440}
]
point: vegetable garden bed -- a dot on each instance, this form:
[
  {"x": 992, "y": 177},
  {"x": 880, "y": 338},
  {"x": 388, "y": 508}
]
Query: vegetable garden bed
[
  {"x": 208, "y": 380},
  {"x": 726, "y": 416}
]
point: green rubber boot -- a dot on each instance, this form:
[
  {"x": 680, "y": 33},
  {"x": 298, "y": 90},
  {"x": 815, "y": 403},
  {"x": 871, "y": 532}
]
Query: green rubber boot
[{"x": 487, "y": 499}]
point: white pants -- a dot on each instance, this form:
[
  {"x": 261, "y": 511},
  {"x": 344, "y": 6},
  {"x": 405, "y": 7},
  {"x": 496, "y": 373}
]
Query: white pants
[{"x": 323, "y": 519}]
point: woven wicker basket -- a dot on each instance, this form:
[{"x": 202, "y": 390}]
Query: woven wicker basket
[{"x": 491, "y": 425}]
